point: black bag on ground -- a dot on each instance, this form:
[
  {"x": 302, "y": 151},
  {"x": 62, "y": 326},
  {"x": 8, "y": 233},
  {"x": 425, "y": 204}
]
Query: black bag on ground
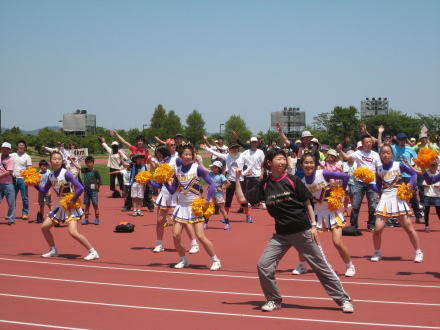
[
  {"x": 124, "y": 227},
  {"x": 351, "y": 231},
  {"x": 116, "y": 194}
]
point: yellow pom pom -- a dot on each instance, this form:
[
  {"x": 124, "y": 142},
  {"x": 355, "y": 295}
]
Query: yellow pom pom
[
  {"x": 197, "y": 207},
  {"x": 425, "y": 157},
  {"x": 31, "y": 176},
  {"x": 163, "y": 173},
  {"x": 364, "y": 174},
  {"x": 405, "y": 192},
  {"x": 65, "y": 202},
  {"x": 334, "y": 203},
  {"x": 337, "y": 192},
  {"x": 143, "y": 177}
]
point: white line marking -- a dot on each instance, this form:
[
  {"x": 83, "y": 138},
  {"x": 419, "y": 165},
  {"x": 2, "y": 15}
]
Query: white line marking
[
  {"x": 218, "y": 313},
  {"x": 209, "y": 291},
  {"x": 215, "y": 274},
  {"x": 41, "y": 325}
]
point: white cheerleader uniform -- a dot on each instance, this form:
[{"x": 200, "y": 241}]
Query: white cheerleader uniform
[
  {"x": 390, "y": 205},
  {"x": 62, "y": 187},
  {"x": 326, "y": 219},
  {"x": 166, "y": 201},
  {"x": 188, "y": 189}
]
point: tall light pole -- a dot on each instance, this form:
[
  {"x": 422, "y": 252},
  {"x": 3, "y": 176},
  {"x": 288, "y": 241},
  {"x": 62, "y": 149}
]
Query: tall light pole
[
  {"x": 221, "y": 128},
  {"x": 143, "y": 126}
]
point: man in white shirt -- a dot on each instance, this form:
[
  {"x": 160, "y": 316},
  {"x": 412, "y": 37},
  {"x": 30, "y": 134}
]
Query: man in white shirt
[
  {"x": 364, "y": 157},
  {"x": 21, "y": 162}
]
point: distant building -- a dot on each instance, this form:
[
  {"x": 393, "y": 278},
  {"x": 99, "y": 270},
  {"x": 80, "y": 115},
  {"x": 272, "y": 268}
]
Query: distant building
[
  {"x": 79, "y": 123},
  {"x": 373, "y": 107},
  {"x": 292, "y": 120}
]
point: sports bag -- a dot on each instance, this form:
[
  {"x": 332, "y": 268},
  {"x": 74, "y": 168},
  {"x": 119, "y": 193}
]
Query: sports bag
[{"x": 124, "y": 227}]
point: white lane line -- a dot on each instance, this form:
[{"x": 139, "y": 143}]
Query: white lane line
[
  {"x": 209, "y": 291},
  {"x": 218, "y": 313},
  {"x": 40, "y": 325},
  {"x": 178, "y": 272}
]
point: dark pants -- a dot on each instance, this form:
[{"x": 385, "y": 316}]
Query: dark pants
[
  {"x": 413, "y": 201},
  {"x": 113, "y": 180}
]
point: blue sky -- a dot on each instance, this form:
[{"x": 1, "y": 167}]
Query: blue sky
[{"x": 120, "y": 59}]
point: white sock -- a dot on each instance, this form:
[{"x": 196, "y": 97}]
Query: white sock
[
  {"x": 418, "y": 251},
  {"x": 92, "y": 250},
  {"x": 214, "y": 258},
  {"x": 194, "y": 241},
  {"x": 53, "y": 247},
  {"x": 159, "y": 242},
  {"x": 183, "y": 258},
  {"x": 302, "y": 263},
  {"x": 349, "y": 264}
]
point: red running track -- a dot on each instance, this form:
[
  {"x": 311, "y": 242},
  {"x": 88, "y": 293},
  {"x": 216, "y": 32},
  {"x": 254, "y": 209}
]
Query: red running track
[{"x": 130, "y": 287}]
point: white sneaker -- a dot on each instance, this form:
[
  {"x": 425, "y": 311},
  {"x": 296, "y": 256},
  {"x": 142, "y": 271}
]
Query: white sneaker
[
  {"x": 159, "y": 248},
  {"x": 135, "y": 213},
  {"x": 140, "y": 214},
  {"x": 182, "y": 264},
  {"x": 347, "y": 307},
  {"x": 351, "y": 271},
  {"x": 51, "y": 253},
  {"x": 194, "y": 249},
  {"x": 271, "y": 306},
  {"x": 216, "y": 265},
  {"x": 92, "y": 256},
  {"x": 300, "y": 270},
  {"x": 419, "y": 257},
  {"x": 376, "y": 256}
]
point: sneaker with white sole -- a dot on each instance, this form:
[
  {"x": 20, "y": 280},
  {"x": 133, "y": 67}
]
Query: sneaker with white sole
[
  {"x": 419, "y": 257},
  {"x": 182, "y": 264},
  {"x": 376, "y": 256},
  {"x": 227, "y": 227},
  {"x": 135, "y": 214},
  {"x": 347, "y": 307},
  {"x": 194, "y": 249},
  {"x": 300, "y": 270},
  {"x": 159, "y": 248},
  {"x": 351, "y": 271},
  {"x": 92, "y": 256},
  {"x": 271, "y": 306},
  {"x": 216, "y": 265},
  {"x": 140, "y": 214},
  {"x": 51, "y": 253}
]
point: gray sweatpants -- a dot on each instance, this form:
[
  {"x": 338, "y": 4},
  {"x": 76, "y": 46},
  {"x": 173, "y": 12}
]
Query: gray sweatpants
[{"x": 276, "y": 249}]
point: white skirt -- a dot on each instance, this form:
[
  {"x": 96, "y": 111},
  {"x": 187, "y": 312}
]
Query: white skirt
[
  {"x": 166, "y": 201},
  {"x": 326, "y": 219},
  {"x": 183, "y": 213},
  {"x": 392, "y": 206},
  {"x": 60, "y": 215}
]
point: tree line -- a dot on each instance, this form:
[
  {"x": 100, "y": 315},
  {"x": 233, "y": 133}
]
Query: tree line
[{"x": 329, "y": 128}]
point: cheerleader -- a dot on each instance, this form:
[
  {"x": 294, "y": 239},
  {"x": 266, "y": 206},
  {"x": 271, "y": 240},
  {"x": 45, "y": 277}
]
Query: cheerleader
[
  {"x": 388, "y": 180},
  {"x": 318, "y": 183},
  {"x": 187, "y": 186},
  {"x": 61, "y": 180}
]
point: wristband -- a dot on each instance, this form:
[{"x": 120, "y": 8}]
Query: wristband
[{"x": 313, "y": 223}]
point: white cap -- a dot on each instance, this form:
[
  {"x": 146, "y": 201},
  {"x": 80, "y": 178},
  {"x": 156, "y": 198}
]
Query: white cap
[
  {"x": 359, "y": 145},
  {"x": 6, "y": 145},
  {"x": 217, "y": 163},
  {"x": 254, "y": 139},
  {"x": 114, "y": 143}
]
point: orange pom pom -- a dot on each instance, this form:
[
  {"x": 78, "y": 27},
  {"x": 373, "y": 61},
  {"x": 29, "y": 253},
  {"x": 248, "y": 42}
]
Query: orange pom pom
[
  {"x": 197, "y": 207},
  {"x": 163, "y": 173},
  {"x": 405, "y": 192},
  {"x": 364, "y": 174},
  {"x": 65, "y": 202},
  {"x": 425, "y": 157},
  {"x": 31, "y": 176},
  {"x": 143, "y": 177}
]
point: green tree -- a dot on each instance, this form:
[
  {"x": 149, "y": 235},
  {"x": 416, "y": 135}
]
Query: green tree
[
  {"x": 171, "y": 126},
  {"x": 432, "y": 122},
  {"x": 238, "y": 125},
  {"x": 270, "y": 136},
  {"x": 156, "y": 123},
  {"x": 195, "y": 128},
  {"x": 395, "y": 122}
]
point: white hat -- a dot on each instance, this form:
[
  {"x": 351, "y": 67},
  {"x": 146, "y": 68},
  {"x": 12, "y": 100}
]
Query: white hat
[
  {"x": 359, "y": 145},
  {"x": 332, "y": 152},
  {"x": 114, "y": 143},
  {"x": 306, "y": 134},
  {"x": 217, "y": 163},
  {"x": 254, "y": 139},
  {"x": 6, "y": 145}
]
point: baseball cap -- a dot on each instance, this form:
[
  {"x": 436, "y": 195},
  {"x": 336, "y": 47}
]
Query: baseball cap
[
  {"x": 332, "y": 152},
  {"x": 401, "y": 136},
  {"x": 306, "y": 134},
  {"x": 6, "y": 145},
  {"x": 413, "y": 139},
  {"x": 422, "y": 135},
  {"x": 137, "y": 156},
  {"x": 359, "y": 145},
  {"x": 114, "y": 143},
  {"x": 254, "y": 139},
  {"x": 217, "y": 163},
  {"x": 298, "y": 141},
  {"x": 179, "y": 135},
  {"x": 234, "y": 145},
  {"x": 325, "y": 148},
  {"x": 258, "y": 136}
]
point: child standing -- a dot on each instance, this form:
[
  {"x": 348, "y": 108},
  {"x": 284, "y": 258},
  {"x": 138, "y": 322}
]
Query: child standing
[
  {"x": 348, "y": 168},
  {"x": 92, "y": 182},
  {"x": 221, "y": 184},
  {"x": 388, "y": 180},
  {"x": 137, "y": 189},
  {"x": 43, "y": 198},
  {"x": 431, "y": 193},
  {"x": 61, "y": 181}
]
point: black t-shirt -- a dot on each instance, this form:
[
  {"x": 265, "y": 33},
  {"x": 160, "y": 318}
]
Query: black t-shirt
[{"x": 284, "y": 203}]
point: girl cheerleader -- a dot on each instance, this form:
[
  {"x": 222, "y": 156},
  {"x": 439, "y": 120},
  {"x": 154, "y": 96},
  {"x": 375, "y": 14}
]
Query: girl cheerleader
[
  {"x": 61, "y": 180},
  {"x": 390, "y": 205},
  {"x": 318, "y": 183},
  {"x": 288, "y": 202},
  {"x": 187, "y": 186}
]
